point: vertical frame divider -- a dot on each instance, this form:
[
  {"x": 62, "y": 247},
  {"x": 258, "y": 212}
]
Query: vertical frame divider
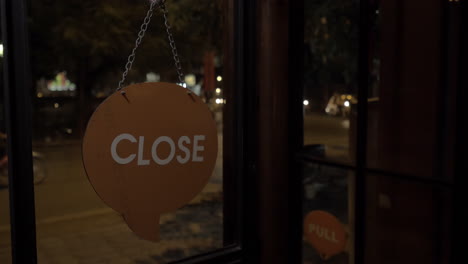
[
  {"x": 18, "y": 84},
  {"x": 361, "y": 140},
  {"x": 459, "y": 230},
  {"x": 296, "y": 127}
]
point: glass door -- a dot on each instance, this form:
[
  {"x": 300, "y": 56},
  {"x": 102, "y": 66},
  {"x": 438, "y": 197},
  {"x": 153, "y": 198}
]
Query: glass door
[{"x": 379, "y": 116}]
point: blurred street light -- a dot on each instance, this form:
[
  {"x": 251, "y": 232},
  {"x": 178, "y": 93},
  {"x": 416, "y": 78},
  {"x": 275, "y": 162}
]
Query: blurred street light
[
  {"x": 190, "y": 80},
  {"x": 152, "y": 77}
]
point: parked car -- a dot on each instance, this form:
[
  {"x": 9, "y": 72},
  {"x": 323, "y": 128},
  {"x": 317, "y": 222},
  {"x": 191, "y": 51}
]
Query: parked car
[{"x": 340, "y": 104}]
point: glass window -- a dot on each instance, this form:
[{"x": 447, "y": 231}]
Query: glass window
[
  {"x": 330, "y": 103},
  {"x": 410, "y": 133},
  {"x": 79, "y": 50},
  {"x": 330, "y": 76},
  {"x": 328, "y": 212}
]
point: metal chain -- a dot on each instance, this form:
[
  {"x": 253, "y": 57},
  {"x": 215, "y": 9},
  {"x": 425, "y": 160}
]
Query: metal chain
[
  {"x": 141, "y": 34},
  {"x": 172, "y": 42}
]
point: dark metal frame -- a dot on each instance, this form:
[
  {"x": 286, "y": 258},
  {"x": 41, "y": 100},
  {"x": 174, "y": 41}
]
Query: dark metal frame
[
  {"x": 361, "y": 140},
  {"x": 296, "y": 127},
  {"x": 245, "y": 103},
  {"x": 17, "y": 80},
  {"x": 460, "y": 217}
]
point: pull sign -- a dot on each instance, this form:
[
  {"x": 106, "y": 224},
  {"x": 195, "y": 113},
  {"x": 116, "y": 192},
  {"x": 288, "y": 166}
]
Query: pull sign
[
  {"x": 150, "y": 151},
  {"x": 325, "y": 233}
]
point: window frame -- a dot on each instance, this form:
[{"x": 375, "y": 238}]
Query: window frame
[{"x": 18, "y": 119}]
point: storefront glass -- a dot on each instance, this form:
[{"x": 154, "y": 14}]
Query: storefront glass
[{"x": 78, "y": 53}]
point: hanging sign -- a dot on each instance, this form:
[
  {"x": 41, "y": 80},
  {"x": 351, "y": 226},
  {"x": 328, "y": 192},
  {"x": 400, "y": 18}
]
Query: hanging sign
[
  {"x": 325, "y": 233},
  {"x": 148, "y": 151}
]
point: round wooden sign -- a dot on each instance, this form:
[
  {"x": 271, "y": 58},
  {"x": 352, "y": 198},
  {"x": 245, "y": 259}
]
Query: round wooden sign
[
  {"x": 325, "y": 233},
  {"x": 149, "y": 151}
]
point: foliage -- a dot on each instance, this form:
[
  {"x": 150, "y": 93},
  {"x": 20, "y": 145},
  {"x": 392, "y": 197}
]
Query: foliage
[
  {"x": 331, "y": 41},
  {"x": 92, "y": 39}
]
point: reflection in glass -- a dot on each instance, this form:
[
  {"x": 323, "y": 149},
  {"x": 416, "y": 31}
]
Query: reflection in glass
[{"x": 328, "y": 190}]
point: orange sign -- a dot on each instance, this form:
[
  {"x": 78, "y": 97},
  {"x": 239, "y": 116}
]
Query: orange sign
[
  {"x": 325, "y": 233},
  {"x": 149, "y": 151}
]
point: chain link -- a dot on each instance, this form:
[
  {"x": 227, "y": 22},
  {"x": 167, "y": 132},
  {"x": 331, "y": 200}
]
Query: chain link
[
  {"x": 142, "y": 33},
  {"x": 177, "y": 64}
]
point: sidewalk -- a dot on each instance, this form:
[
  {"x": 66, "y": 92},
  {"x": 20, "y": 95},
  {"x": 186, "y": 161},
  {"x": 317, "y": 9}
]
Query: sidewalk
[
  {"x": 105, "y": 238},
  {"x": 55, "y": 143},
  {"x": 99, "y": 235}
]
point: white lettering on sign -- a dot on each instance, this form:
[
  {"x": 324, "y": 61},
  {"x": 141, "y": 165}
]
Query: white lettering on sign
[
  {"x": 182, "y": 144},
  {"x": 154, "y": 150},
  {"x": 323, "y": 232},
  {"x": 116, "y": 141},
  {"x": 141, "y": 161},
  {"x": 197, "y": 148},
  {"x": 184, "y": 149}
]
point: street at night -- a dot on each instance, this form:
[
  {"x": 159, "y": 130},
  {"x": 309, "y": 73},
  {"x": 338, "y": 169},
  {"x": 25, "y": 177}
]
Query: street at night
[
  {"x": 67, "y": 204},
  {"x": 67, "y": 193},
  {"x": 225, "y": 131},
  {"x": 70, "y": 215}
]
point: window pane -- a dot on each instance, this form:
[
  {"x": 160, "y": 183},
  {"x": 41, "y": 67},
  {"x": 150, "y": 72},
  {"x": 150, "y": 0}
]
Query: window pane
[
  {"x": 77, "y": 62},
  {"x": 407, "y": 222},
  {"x": 330, "y": 76},
  {"x": 407, "y": 97},
  {"x": 328, "y": 212}
]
